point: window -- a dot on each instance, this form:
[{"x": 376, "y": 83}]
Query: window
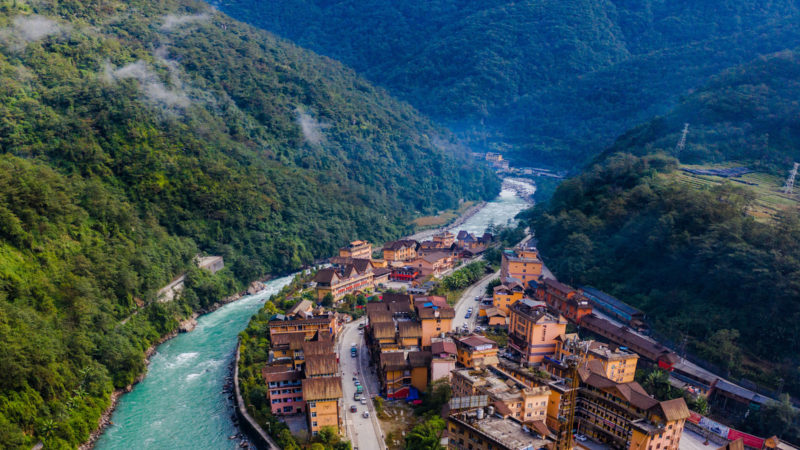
[
  {"x": 313, "y": 424},
  {"x": 313, "y": 414},
  {"x": 312, "y": 404}
]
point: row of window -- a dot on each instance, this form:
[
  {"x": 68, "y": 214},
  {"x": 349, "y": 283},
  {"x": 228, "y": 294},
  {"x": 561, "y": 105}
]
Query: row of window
[{"x": 286, "y": 400}]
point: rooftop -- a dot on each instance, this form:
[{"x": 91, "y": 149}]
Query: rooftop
[
  {"x": 506, "y": 432},
  {"x": 318, "y": 365},
  {"x": 323, "y": 388}
]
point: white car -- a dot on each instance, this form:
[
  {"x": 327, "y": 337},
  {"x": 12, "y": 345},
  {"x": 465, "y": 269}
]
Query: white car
[
  {"x": 363, "y": 401},
  {"x": 580, "y": 437},
  {"x": 365, "y": 414}
]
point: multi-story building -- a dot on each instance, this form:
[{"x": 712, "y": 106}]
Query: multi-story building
[
  {"x": 443, "y": 361},
  {"x": 618, "y": 364},
  {"x": 284, "y": 390},
  {"x": 521, "y": 263},
  {"x": 356, "y": 249},
  {"x": 325, "y": 365},
  {"x": 562, "y": 299},
  {"x": 404, "y": 273},
  {"x": 286, "y": 349},
  {"x": 533, "y": 331},
  {"x": 505, "y": 295},
  {"x": 476, "y": 430},
  {"x": 399, "y": 252},
  {"x": 510, "y": 396},
  {"x": 435, "y": 320},
  {"x": 623, "y": 415},
  {"x": 475, "y": 351},
  {"x": 433, "y": 263},
  {"x": 444, "y": 240},
  {"x": 340, "y": 282},
  {"x": 322, "y": 397},
  {"x": 308, "y": 326}
]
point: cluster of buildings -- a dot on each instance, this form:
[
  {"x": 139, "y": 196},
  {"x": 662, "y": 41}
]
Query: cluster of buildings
[
  {"x": 609, "y": 406},
  {"x": 355, "y": 270},
  {"x": 404, "y": 335},
  {"x": 302, "y": 374}
]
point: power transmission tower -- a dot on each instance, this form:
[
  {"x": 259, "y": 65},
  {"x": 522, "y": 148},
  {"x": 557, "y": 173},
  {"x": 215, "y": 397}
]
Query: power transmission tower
[
  {"x": 682, "y": 141},
  {"x": 789, "y": 186}
]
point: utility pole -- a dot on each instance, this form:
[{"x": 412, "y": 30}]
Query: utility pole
[
  {"x": 682, "y": 141},
  {"x": 789, "y": 186}
]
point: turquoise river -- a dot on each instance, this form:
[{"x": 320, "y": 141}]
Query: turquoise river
[{"x": 181, "y": 403}]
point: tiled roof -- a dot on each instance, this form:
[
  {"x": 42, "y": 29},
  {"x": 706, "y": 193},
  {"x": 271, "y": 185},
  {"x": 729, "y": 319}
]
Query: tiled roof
[
  {"x": 400, "y": 308},
  {"x": 476, "y": 340},
  {"x": 391, "y": 297},
  {"x": 440, "y": 347},
  {"x": 293, "y": 340},
  {"x": 419, "y": 359},
  {"x": 379, "y": 316},
  {"x": 279, "y": 373},
  {"x": 393, "y": 361},
  {"x": 445, "y": 312},
  {"x": 322, "y": 388},
  {"x": 326, "y": 275},
  {"x": 409, "y": 329},
  {"x": 397, "y": 245},
  {"x": 301, "y": 306},
  {"x": 383, "y": 330},
  {"x": 675, "y": 409},
  {"x": 317, "y": 348},
  {"x": 317, "y": 365}
]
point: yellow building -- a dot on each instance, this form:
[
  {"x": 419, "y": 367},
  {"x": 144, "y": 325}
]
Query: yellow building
[
  {"x": 400, "y": 251},
  {"x": 522, "y": 263},
  {"x": 444, "y": 240},
  {"x": 533, "y": 331},
  {"x": 623, "y": 415},
  {"x": 339, "y": 283},
  {"x": 505, "y": 295},
  {"x": 473, "y": 430},
  {"x": 287, "y": 349},
  {"x": 476, "y": 351},
  {"x": 322, "y": 397},
  {"x": 420, "y": 364},
  {"x": 356, "y": 249},
  {"x": 309, "y": 327},
  {"x": 435, "y": 321},
  {"x": 617, "y": 365}
]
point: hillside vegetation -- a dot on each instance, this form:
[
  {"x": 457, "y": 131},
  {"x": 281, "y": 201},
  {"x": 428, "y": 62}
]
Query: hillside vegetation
[
  {"x": 135, "y": 135},
  {"x": 552, "y": 80},
  {"x": 693, "y": 256}
]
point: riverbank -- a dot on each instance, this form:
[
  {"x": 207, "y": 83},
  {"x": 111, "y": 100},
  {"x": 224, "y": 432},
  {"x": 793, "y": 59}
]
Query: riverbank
[{"x": 184, "y": 326}]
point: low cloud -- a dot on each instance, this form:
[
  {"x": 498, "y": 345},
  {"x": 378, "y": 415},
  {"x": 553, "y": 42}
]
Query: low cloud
[
  {"x": 26, "y": 29},
  {"x": 311, "y": 128},
  {"x": 151, "y": 85},
  {"x": 172, "y": 21}
]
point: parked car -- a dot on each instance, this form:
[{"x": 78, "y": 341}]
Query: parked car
[
  {"x": 357, "y": 383},
  {"x": 365, "y": 414},
  {"x": 479, "y": 328},
  {"x": 580, "y": 437},
  {"x": 353, "y": 408},
  {"x": 363, "y": 401}
]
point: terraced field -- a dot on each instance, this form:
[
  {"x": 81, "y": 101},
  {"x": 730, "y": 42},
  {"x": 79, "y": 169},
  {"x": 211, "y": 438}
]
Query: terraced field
[{"x": 768, "y": 188}]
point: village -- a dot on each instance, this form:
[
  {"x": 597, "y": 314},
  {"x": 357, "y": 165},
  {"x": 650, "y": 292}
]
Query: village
[{"x": 530, "y": 362}]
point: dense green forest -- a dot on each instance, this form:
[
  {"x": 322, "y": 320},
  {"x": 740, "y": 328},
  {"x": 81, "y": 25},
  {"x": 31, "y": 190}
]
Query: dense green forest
[
  {"x": 693, "y": 259},
  {"x": 135, "y": 135},
  {"x": 551, "y": 80}
]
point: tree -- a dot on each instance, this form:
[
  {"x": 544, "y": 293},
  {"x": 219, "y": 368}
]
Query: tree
[
  {"x": 327, "y": 300},
  {"x": 722, "y": 348},
  {"x": 427, "y": 435}
]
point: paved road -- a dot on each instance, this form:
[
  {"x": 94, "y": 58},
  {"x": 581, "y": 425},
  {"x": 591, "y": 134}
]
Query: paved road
[
  {"x": 364, "y": 433},
  {"x": 468, "y": 300}
]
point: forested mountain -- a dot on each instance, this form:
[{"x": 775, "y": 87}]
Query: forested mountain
[
  {"x": 693, "y": 258},
  {"x": 554, "y": 80},
  {"x": 135, "y": 135}
]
